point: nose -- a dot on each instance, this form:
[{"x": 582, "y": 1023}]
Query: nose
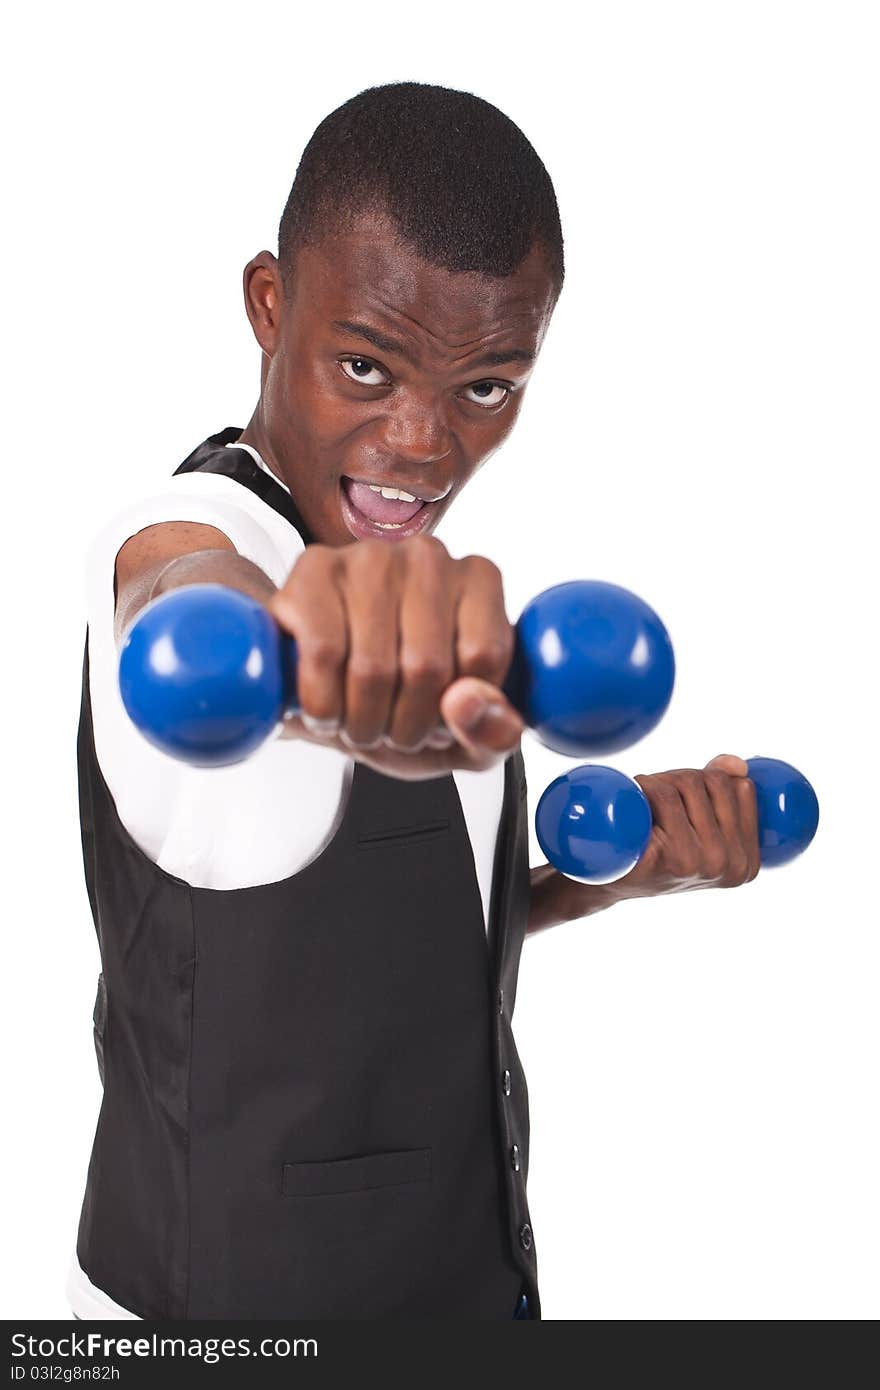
[{"x": 416, "y": 434}]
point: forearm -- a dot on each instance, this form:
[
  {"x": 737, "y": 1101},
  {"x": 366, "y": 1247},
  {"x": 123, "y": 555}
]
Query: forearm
[
  {"x": 169, "y": 556},
  {"x": 556, "y": 899},
  {"x": 214, "y": 567}
]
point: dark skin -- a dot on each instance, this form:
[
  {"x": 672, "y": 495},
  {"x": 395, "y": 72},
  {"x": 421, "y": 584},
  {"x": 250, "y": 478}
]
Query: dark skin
[
  {"x": 398, "y": 397},
  {"x": 423, "y": 417},
  {"x": 379, "y": 367}
]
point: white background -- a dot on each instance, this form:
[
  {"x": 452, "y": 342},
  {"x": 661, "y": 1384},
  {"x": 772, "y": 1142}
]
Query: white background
[{"x": 702, "y": 427}]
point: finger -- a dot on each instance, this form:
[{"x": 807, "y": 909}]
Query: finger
[
  {"x": 372, "y": 601},
  {"x": 484, "y": 637},
  {"x": 747, "y": 801},
  {"x": 700, "y": 811},
  {"x": 729, "y": 763},
  {"x": 721, "y": 787},
  {"x": 480, "y": 717},
  {"x": 667, "y": 809},
  {"x": 310, "y": 607},
  {"x": 426, "y": 657},
  {"x": 672, "y": 828}
]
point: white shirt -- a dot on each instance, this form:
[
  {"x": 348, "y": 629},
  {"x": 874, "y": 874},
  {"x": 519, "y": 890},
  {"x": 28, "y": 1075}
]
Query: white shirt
[{"x": 253, "y": 822}]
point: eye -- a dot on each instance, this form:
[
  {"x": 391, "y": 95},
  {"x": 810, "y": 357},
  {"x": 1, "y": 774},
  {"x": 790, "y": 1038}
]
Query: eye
[
  {"x": 362, "y": 370},
  {"x": 487, "y": 393}
]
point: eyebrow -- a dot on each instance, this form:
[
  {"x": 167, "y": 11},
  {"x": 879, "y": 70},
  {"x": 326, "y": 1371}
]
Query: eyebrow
[{"x": 386, "y": 344}]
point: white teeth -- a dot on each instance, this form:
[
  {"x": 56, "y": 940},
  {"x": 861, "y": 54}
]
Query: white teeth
[
  {"x": 389, "y": 525},
  {"x": 394, "y": 494}
]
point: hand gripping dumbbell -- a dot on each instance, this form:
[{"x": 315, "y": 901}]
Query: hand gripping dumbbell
[
  {"x": 594, "y": 823},
  {"x": 206, "y": 674}
]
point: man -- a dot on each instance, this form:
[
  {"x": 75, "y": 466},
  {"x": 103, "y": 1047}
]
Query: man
[{"x": 313, "y": 1105}]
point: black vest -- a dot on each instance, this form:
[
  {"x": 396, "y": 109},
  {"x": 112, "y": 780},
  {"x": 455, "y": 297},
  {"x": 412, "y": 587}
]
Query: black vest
[{"x": 313, "y": 1104}]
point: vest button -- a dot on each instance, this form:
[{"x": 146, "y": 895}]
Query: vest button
[
  {"x": 501, "y": 1001},
  {"x": 514, "y": 1157},
  {"x": 505, "y": 1082},
  {"x": 525, "y": 1236}
]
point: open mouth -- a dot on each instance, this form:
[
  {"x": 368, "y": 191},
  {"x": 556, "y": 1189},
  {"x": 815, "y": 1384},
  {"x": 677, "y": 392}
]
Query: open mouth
[{"x": 390, "y": 513}]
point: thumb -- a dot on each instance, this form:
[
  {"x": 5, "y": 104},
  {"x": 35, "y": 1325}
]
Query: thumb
[
  {"x": 729, "y": 763},
  {"x": 480, "y": 716}
]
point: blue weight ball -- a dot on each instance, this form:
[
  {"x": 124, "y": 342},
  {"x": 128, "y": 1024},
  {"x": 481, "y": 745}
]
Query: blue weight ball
[
  {"x": 593, "y": 824},
  {"x": 593, "y": 668},
  {"x": 788, "y": 810},
  {"x": 203, "y": 674}
]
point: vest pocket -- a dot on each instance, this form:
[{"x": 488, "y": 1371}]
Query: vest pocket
[
  {"x": 403, "y": 835},
  {"x": 99, "y": 1020},
  {"x": 358, "y": 1174}
]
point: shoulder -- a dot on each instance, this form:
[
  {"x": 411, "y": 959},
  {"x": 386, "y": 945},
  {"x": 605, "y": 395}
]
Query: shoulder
[{"x": 253, "y": 528}]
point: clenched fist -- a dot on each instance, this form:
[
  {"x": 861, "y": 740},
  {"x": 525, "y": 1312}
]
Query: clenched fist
[
  {"x": 705, "y": 832},
  {"x": 402, "y": 652}
]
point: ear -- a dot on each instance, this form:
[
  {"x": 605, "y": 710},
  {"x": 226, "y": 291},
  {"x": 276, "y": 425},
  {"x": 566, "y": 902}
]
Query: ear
[{"x": 264, "y": 299}]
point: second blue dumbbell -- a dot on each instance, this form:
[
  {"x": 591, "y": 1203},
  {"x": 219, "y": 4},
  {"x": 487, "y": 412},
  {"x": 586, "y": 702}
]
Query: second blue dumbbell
[{"x": 594, "y": 823}]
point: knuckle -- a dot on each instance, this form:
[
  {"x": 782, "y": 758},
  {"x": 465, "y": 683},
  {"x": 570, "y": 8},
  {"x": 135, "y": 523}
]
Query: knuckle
[
  {"x": 313, "y": 572},
  {"x": 484, "y": 567},
  {"x": 688, "y": 777},
  {"x": 682, "y": 862},
  {"x": 313, "y": 554},
  {"x": 490, "y": 653},
  {"x": 321, "y": 652},
  {"x": 737, "y": 870},
  {"x": 661, "y": 790},
  {"x": 426, "y": 669},
  {"x": 315, "y": 557},
  {"x": 370, "y": 554},
  {"x": 682, "y": 867},
  {"x": 717, "y": 781},
  {"x": 321, "y": 553},
  {"x": 429, "y": 548},
  {"x": 654, "y": 855},
  {"x": 371, "y": 671},
  {"x": 686, "y": 781},
  {"x": 715, "y": 862}
]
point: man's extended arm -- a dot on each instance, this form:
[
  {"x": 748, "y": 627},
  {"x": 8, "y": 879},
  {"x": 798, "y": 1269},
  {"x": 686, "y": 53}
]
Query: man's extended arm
[{"x": 556, "y": 899}]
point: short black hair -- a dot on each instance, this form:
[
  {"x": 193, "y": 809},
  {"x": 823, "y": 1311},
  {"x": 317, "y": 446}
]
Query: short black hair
[{"x": 462, "y": 182}]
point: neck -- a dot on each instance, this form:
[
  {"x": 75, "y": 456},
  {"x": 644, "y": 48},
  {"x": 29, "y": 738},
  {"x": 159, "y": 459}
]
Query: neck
[{"x": 256, "y": 435}]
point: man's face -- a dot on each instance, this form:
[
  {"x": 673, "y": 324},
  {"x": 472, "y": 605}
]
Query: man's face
[{"x": 383, "y": 370}]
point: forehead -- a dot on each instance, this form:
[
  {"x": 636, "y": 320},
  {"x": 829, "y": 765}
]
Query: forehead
[{"x": 365, "y": 271}]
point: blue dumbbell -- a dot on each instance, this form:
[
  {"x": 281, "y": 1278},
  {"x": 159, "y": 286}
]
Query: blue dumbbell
[
  {"x": 594, "y": 823},
  {"x": 206, "y": 674}
]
